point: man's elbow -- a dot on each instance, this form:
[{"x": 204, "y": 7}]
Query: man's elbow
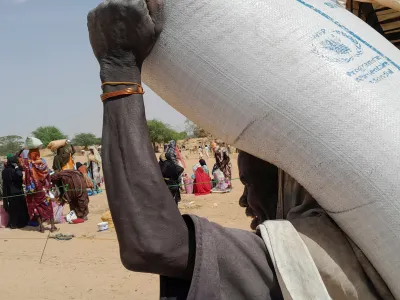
[
  {"x": 133, "y": 261},
  {"x": 140, "y": 262}
]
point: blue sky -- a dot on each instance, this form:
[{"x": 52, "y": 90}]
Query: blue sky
[{"x": 48, "y": 73}]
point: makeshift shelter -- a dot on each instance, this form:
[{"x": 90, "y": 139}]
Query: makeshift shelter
[{"x": 382, "y": 15}]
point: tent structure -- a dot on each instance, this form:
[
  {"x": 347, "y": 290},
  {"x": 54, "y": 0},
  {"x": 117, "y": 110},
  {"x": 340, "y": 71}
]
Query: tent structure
[
  {"x": 393, "y": 4},
  {"x": 382, "y": 15}
]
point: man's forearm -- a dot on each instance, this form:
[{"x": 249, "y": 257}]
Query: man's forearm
[{"x": 152, "y": 234}]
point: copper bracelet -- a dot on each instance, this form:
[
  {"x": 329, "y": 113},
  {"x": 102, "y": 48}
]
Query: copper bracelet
[{"x": 127, "y": 91}]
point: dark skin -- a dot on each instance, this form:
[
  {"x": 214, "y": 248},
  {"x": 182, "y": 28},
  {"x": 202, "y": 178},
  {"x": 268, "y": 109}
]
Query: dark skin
[
  {"x": 260, "y": 195},
  {"x": 152, "y": 235}
]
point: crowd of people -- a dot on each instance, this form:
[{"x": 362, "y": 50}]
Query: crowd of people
[
  {"x": 201, "y": 182},
  {"x": 33, "y": 193}
]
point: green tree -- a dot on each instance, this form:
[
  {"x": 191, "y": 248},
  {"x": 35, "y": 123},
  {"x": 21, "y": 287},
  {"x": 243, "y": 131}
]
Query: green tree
[
  {"x": 160, "y": 133},
  {"x": 48, "y": 133},
  {"x": 10, "y": 144},
  {"x": 85, "y": 140}
]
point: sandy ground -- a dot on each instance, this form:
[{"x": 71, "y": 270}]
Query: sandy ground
[{"x": 88, "y": 266}]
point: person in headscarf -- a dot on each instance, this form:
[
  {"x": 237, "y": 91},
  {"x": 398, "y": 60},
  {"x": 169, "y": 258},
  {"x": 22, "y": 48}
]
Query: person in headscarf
[
  {"x": 202, "y": 163},
  {"x": 94, "y": 160},
  {"x": 63, "y": 160},
  {"x": 75, "y": 194},
  {"x": 37, "y": 186},
  {"x": 175, "y": 154},
  {"x": 202, "y": 182},
  {"x": 14, "y": 202},
  {"x": 171, "y": 173},
  {"x": 84, "y": 171},
  {"x": 2, "y": 166},
  {"x": 223, "y": 162}
]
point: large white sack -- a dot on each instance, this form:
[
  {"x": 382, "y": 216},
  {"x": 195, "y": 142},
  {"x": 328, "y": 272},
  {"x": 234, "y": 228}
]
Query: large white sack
[
  {"x": 32, "y": 143},
  {"x": 303, "y": 84},
  {"x": 395, "y": 4}
]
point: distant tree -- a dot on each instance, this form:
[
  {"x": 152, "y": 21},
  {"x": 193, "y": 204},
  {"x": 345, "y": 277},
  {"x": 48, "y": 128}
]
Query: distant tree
[
  {"x": 161, "y": 132},
  {"x": 48, "y": 133},
  {"x": 10, "y": 144},
  {"x": 182, "y": 135},
  {"x": 194, "y": 130},
  {"x": 98, "y": 141},
  {"x": 85, "y": 140}
]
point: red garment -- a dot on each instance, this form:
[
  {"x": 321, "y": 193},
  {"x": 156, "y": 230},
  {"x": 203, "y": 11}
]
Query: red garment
[{"x": 202, "y": 182}]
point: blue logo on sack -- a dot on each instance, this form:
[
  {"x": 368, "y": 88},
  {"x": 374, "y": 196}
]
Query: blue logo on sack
[{"x": 336, "y": 46}]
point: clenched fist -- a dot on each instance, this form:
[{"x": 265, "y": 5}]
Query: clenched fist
[{"x": 123, "y": 32}]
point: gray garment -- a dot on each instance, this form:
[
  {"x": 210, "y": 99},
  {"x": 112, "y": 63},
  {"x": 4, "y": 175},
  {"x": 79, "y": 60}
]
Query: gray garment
[
  {"x": 345, "y": 270},
  {"x": 234, "y": 264},
  {"x": 230, "y": 264}
]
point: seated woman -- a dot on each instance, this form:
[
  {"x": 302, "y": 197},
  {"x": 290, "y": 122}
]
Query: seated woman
[
  {"x": 220, "y": 184},
  {"x": 202, "y": 182},
  {"x": 202, "y": 163},
  {"x": 72, "y": 186}
]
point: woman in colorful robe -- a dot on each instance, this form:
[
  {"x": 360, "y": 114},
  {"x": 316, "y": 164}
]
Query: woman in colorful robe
[{"x": 37, "y": 185}]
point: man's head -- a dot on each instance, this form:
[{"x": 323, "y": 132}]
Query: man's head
[{"x": 260, "y": 196}]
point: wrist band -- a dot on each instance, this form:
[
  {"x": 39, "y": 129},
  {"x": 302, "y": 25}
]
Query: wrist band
[
  {"x": 120, "y": 83},
  {"x": 128, "y": 91}
]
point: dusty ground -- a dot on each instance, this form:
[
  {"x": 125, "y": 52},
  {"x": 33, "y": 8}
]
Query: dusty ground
[{"x": 88, "y": 266}]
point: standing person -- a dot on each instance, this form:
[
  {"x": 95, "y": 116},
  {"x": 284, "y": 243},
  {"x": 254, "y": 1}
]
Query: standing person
[
  {"x": 76, "y": 195},
  {"x": 37, "y": 185},
  {"x": 2, "y": 166},
  {"x": 223, "y": 162},
  {"x": 207, "y": 151},
  {"x": 200, "y": 151},
  {"x": 196, "y": 258},
  {"x": 171, "y": 173},
  {"x": 84, "y": 171},
  {"x": 14, "y": 202},
  {"x": 213, "y": 146},
  {"x": 94, "y": 160},
  {"x": 229, "y": 149},
  {"x": 63, "y": 160},
  {"x": 176, "y": 156}
]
